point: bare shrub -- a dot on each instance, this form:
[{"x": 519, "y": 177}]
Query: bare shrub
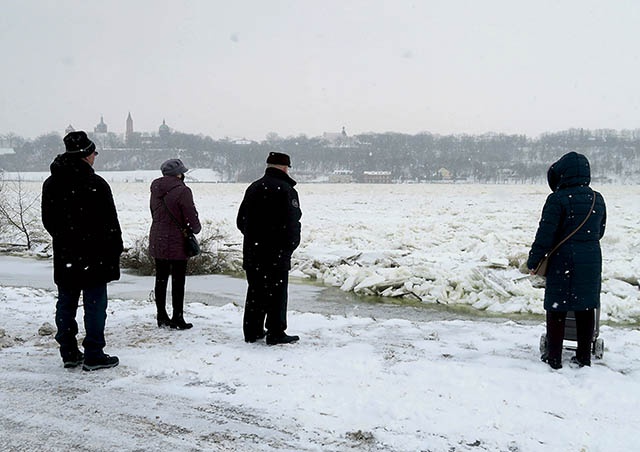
[
  {"x": 216, "y": 257},
  {"x": 137, "y": 257},
  {"x": 20, "y": 213}
]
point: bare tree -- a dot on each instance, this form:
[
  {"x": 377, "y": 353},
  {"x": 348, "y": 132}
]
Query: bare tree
[{"x": 19, "y": 211}]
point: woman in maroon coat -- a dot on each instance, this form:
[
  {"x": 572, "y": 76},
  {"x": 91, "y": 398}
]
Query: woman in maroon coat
[{"x": 171, "y": 204}]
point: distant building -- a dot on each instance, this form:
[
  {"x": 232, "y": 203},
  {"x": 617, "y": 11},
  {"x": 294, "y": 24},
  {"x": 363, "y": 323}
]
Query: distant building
[
  {"x": 101, "y": 127},
  {"x": 376, "y": 177},
  {"x": 69, "y": 129},
  {"x": 128, "y": 135},
  {"x": 132, "y": 139},
  {"x": 164, "y": 132},
  {"x": 341, "y": 177},
  {"x": 100, "y": 134},
  {"x": 340, "y": 139},
  {"x": 333, "y": 138},
  {"x": 444, "y": 174}
]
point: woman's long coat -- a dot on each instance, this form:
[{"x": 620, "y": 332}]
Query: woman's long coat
[
  {"x": 166, "y": 240},
  {"x": 79, "y": 213},
  {"x": 574, "y": 270}
]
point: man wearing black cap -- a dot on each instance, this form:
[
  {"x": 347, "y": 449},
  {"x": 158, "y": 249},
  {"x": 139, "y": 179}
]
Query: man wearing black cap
[
  {"x": 269, "y": 219},
  {"x": 79, "y": 213}
]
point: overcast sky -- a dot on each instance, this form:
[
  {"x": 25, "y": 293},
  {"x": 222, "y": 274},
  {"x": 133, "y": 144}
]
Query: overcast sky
[{"x": 244, "y": 68}]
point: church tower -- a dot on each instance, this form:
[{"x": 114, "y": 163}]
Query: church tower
[
  {"x": 129, "y": 131},
  {"x": 100, "y": 133}
]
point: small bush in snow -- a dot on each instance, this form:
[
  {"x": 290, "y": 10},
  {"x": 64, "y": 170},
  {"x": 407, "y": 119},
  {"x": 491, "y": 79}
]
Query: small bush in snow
[{"x": 214, "y": 258}]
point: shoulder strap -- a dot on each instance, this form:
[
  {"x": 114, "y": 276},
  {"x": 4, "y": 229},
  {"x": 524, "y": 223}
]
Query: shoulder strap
[
  {"x": 164, "y": 203},
  {"x": 555, "y": 248}
]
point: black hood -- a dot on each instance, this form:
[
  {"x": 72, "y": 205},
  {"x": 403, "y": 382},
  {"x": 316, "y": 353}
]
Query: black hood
[
  {"x": 68, "y": 165},
  {"x": 164, "y": 184},
  {"x": 572, "y": 170}
]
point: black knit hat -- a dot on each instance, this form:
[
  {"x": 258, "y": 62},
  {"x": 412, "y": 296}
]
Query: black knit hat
[
  {"x": 77, "y": 143},
  {"x": 276, "y": 158}
]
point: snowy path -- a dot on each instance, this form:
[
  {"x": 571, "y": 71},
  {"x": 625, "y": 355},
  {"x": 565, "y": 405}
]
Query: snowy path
[{"x": 352, "y": 383}]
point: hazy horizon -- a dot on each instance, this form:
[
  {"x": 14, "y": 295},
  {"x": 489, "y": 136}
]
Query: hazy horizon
[
  {"x": 121, "y": 133},
  {"x": 248, "y": 68}
]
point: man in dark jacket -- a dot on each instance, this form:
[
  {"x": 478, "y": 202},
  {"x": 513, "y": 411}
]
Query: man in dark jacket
[
  {"x": 269, "y": 219},
  {"x": 79, "y": 213},
  {"x": 574, "y": 270}
]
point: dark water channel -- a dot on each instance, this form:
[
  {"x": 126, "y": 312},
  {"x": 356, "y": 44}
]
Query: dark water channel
[
  {"x": 332, "y": 300},
  {"x": 304, "y": 296}
]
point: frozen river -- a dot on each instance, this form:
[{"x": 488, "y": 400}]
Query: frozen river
[{"x": 437, "y": 244}]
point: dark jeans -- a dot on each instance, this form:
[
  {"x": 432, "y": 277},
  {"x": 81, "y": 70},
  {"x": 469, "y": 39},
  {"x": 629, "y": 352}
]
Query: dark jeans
[
  {"x": 94, "y": 300},
  {"x": 177, "y": 269},
  {"x": 585, "y": 324},
  {"x": 266, "y": 297}
]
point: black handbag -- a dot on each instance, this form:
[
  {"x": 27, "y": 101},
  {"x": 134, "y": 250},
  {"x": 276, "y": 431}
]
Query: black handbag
[{"x": 191, "y": 245}]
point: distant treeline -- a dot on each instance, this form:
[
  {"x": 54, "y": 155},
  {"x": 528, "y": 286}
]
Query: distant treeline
[{"x": 614, "y": 155}]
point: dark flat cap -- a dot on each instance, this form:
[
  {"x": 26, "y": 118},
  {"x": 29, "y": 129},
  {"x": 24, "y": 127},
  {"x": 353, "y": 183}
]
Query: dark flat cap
[{"x": 277, "y": 158}]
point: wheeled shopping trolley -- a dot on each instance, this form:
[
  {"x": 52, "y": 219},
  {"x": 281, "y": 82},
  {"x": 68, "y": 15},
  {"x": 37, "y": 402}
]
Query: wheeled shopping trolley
[{"x": 570, "y": 334}]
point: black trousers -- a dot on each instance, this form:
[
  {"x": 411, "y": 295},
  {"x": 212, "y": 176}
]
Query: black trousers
[
  {"x": 177, "y": 269},
  {"x": 585, "y": 324},
  {"x": 266, "y": 298}
]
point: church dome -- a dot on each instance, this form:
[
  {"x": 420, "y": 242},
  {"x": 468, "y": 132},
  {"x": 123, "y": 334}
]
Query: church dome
[
  {"x": 101, "y": 127},
  {"x": 164, "y": 128}
]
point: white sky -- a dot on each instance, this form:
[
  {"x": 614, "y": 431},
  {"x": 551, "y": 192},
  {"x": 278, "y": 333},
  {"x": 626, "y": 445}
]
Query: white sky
[{"x": 244, "y": 68}]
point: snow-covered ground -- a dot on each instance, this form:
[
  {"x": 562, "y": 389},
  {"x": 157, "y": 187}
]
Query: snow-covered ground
[
  {"x": 398, "y": 382},
  {"x": 363, "y": 377}
]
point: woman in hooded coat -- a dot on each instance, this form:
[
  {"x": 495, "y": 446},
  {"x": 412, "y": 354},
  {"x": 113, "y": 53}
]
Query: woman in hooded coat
[
  {"x": 171, "y": 203},
  {"x": 574, "y": 270}
]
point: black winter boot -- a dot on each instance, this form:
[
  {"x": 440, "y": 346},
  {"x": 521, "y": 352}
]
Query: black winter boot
[
  {"x": 580, "y": 362},
  {"x": 159, "y": 296},
  {"x": 163, "y": 320},
  {"x": 554, "y": 363},
  {"x": 73, "y": 360},
  {"x": 103, "y": 362},
  {"x": 178, "y": 323},
  {"x": 282, "y": 338}
]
